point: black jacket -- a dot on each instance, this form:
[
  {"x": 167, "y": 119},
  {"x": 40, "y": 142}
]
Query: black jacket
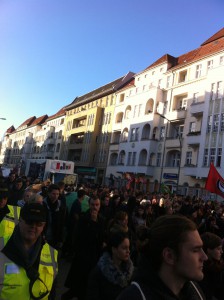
[
  {"x": 106, "y": 281},
  {"x": 154, "y": 289}
]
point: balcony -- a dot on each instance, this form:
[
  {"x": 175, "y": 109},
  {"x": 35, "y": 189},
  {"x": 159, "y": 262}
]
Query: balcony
[
  {"x": 190, "y": 170},
  {"x": 193, "y": 139},
  {"x": 114, "y": 146},
  {"x": 197, "y": 109},
  {"x": 172, "y": 142},
  {"x": 177, "y": 114}
]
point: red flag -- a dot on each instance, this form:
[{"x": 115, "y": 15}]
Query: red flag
[{"x": 215, "y": 182}]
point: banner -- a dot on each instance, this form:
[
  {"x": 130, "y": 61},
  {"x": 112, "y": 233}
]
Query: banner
[{"x": 215, "y": 182}]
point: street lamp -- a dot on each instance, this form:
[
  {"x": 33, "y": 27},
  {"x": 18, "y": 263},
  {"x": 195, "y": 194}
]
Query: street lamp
[{"x": 180, "y": 145}]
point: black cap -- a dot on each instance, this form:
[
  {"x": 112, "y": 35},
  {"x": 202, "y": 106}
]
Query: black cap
[{"x": 35, "y": 212}]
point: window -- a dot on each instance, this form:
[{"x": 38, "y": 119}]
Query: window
[
  {"x": 134, "y": 134},
  {"x": 158, "y": 159},
  {"x": 159, "y": 83},
  {"x": 212, "y": 94},
  {"x": 210, "y": 65},
  {"x": 221, "y": 60},
  {"x": 198, "y": 71},
  {"x": 219, "y": 89},
  {"x": 222, "y": 122},
  {"x": 179, "y": 131},
  {"x": 209, "y": 125},
  {"x": 175, "y": 159},
  {"x": 168, "y": 81},
  {"x": 183, "y": 103},
  {"x": 121, "y": 98},
  {"x": 192, "y": 127},
  {"x": 215, "y": 125},
  {"x": 139, "y": 109},
  {"x": 162, "y": 133},
  {"x": 219, "y": 157},
  {"x": 129, "y": 158},
  {"x": 121, "y": 158},
  {"x": 137, "y": 134},
  {"x": 188, "y": 157},
  {"x": 205, "y": 160},
  {"x": 161, "y": 69},
  {"x": 182, "y": 76},
  {"x": 135, "y": 111},
  {"x": 133, "y": 158},
  {"x": 153, "y": 72},
  {"x": 212, "y": 155},
  {"x": 144, "y": 87},
  {"x": 195, "y": 97}
]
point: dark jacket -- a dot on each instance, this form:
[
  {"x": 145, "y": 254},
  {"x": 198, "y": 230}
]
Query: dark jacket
[
  {"x": 55, "y": 223},
  {"x": 106, "y": 281},
  {"x": 89, "y": 240},
  {"x": 154, "y": 289},
  {"x": 213, "y": 281}
]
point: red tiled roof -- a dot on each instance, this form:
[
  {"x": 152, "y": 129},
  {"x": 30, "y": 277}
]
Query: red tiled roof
[
  {"x": 216, "y": 36},
  {"x": 10, "y": 129},
  {"x": 205, "y": 50},
  {"x": 129, "y": 85},
  {"x": 211, "y": 46},
  {"x": 61, "y": 112},
  {"x": 102, "y": 91},
  {"x": 28, "y": 122},
  {"x": 166, "y": 58},
  {"x": 39, "y": 120}
]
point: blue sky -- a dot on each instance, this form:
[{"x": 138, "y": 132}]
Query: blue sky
[{"x": 54, "y": 50}]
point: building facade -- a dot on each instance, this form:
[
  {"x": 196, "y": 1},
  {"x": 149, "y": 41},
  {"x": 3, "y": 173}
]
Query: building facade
[
  {"x": 168, "y": 124},
  {"x": 87, "y": 130},
  {"x": 159, "y": 128}
]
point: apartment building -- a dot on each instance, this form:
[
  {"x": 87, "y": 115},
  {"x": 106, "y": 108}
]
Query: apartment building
[
  {"x": 88, "y": 130},
  {"x": 35, "y": 138},
  {"x": 160, "y": 127},
  {"x": 169, "y": 122}
]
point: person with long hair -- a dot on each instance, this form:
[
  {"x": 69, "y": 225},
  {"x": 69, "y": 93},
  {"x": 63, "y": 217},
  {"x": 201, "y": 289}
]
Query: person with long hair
[{"x": 113, "y": 270}]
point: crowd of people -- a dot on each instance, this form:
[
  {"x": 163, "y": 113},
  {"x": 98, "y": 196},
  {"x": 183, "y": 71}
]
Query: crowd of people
[{"x": 121, "y": 244}]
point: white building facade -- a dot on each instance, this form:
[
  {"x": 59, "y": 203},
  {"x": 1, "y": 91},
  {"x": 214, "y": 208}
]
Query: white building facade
[{"x": 169, "y": 124}]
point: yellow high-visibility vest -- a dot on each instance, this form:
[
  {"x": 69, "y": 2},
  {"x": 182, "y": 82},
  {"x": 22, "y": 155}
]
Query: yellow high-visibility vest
[
  {"x": 14, "y": 283},
  {"x": 8, "y": 223}
]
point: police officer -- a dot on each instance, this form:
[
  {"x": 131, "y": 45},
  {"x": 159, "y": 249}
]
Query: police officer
[
  {"x": 28, "y": 265},
  {"x": 9, "y": 215}
]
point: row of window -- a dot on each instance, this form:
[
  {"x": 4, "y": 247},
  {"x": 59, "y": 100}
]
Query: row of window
[
  {"x": 212, "y": 155},
  {"x": 215, "y": 123}
]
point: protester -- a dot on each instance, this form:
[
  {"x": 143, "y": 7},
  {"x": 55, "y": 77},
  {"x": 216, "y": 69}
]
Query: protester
[
  {"x": 213, "y": 281},
  {"x": 171, "y": 260},
  {"x": 113, "y": 270},
  {"x": 16, "y": 193},
  {"x": 28, "y": 265},
  {"x": 56, "y": 217},
  {"x": 9, "y": 215},
  {"x": 89, "y": 243}
]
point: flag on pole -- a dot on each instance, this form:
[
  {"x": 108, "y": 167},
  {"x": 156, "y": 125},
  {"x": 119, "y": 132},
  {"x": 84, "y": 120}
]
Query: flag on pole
[{"x": 215, "y": 182}]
